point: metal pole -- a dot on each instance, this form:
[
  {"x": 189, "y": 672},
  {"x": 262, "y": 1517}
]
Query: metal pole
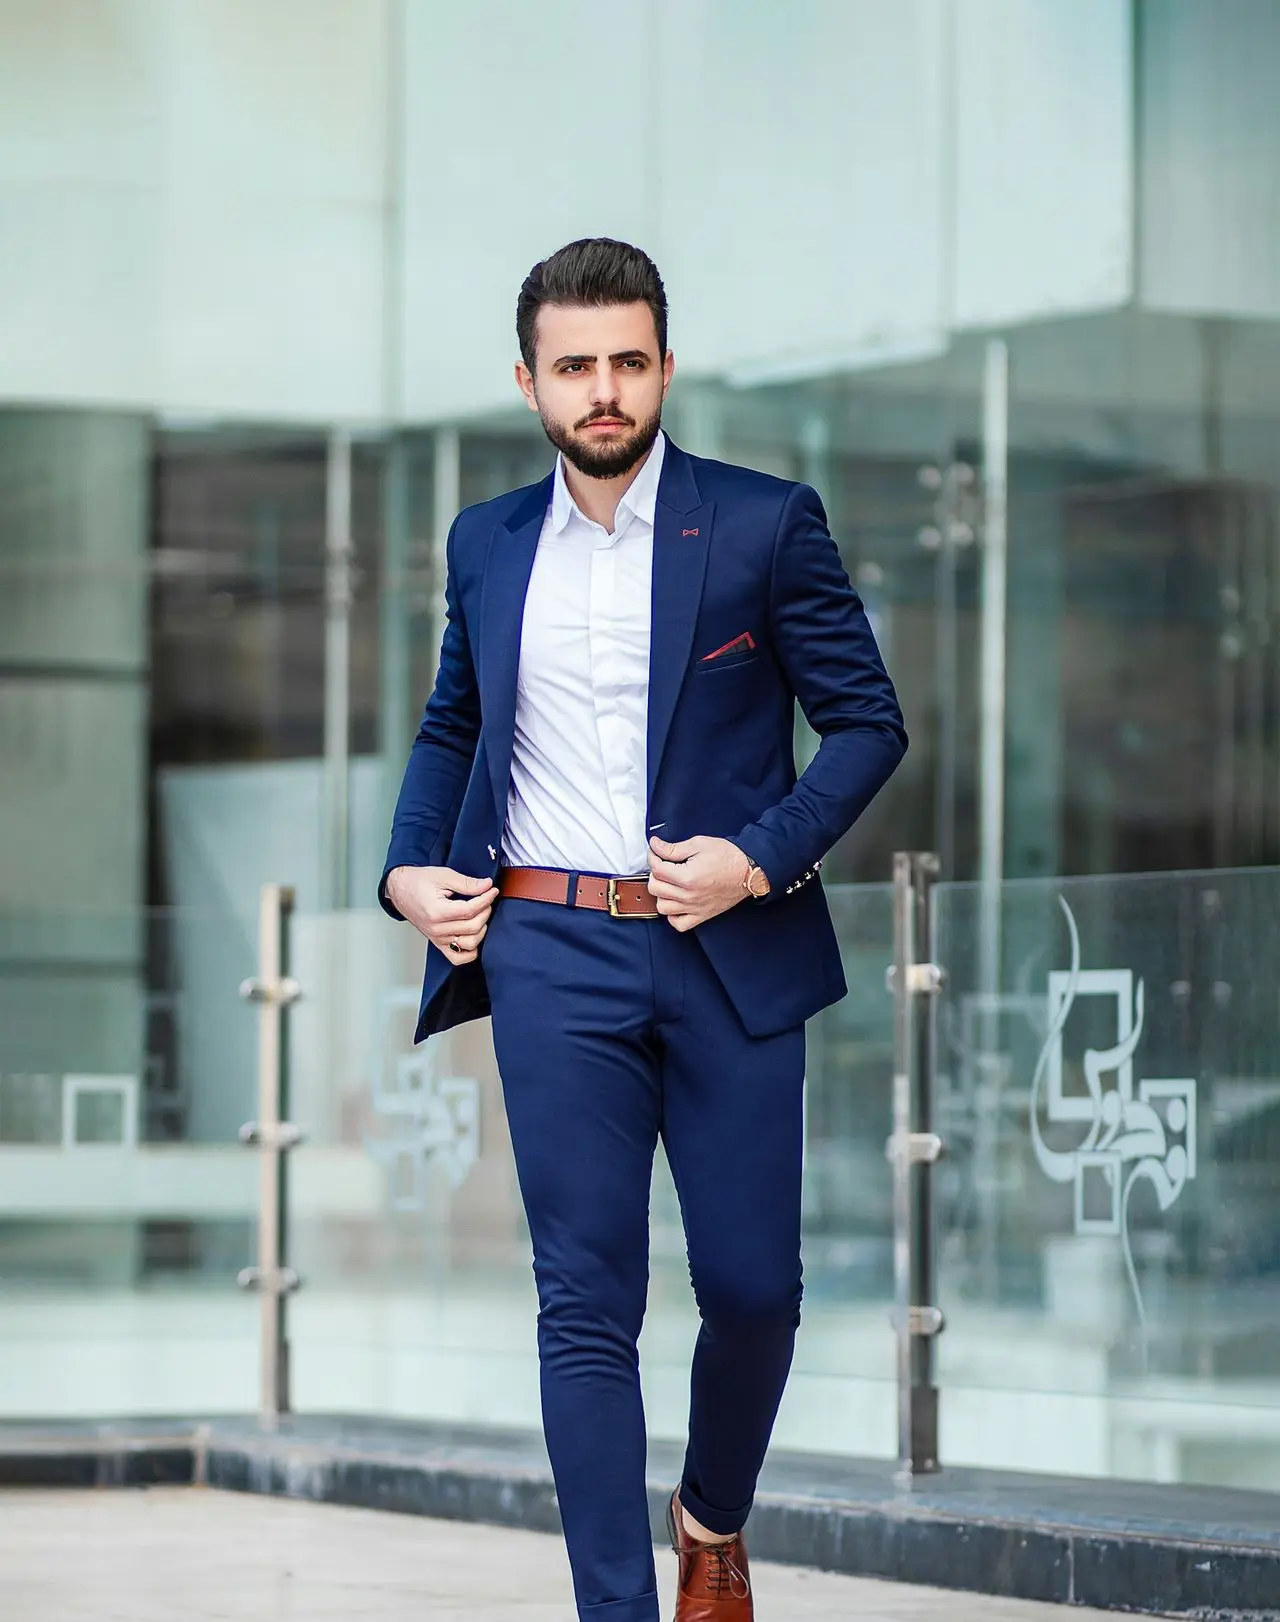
[
  {"x": 995, "y": 487},
  {"x": 395, "y": 695},
  {"x": 991, "y": 787},
  {"x": 273, "y": 1135},
  {"x": 337, "y": 667},
  {"x": 446, "y": 499},
  {"x": 947, "y": 644},
  {"x": 913, "y": 1149}
]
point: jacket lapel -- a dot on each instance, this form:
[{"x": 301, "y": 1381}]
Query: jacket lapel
[
  {"x": 506, "y": 584},
  {"x": 681, "y": 536}
]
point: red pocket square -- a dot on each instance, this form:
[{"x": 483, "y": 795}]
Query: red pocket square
[{"x": 740, "y": 644}]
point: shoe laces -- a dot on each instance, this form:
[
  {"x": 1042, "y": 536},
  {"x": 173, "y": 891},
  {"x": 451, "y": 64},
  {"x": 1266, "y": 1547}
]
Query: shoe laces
[{"x": 723, "y": 1573}]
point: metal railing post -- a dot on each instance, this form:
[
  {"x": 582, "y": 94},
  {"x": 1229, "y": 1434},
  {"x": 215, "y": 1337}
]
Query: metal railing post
[
  {"x": 273, "y": 1135},
  {"x": 913, "y": 1150}
]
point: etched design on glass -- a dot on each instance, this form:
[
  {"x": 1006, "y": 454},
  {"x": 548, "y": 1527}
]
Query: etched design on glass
[
  {"x": 1128, "y": 1138},
  {"x": 432, "y": 1121}
]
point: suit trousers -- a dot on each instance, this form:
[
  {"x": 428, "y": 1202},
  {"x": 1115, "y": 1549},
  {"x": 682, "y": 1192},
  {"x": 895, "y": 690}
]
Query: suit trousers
[{"x": 610, "y": 1033}]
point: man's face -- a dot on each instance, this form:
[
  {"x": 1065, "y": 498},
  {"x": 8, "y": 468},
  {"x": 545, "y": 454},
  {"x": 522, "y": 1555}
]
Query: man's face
[{"x": 598, "y": 385}]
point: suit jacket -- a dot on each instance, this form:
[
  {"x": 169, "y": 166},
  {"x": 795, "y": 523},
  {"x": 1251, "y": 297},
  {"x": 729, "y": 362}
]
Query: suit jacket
[{"x": 734, "y": 552}]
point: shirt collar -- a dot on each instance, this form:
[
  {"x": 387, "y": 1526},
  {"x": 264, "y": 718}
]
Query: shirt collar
[{"x": 639, "y": 501}]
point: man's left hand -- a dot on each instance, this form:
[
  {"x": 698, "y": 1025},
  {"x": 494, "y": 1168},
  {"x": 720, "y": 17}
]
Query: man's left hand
[{"x": 696, "y": 879}]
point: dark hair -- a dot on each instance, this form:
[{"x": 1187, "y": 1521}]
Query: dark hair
[{"x": 592, "y": 272}]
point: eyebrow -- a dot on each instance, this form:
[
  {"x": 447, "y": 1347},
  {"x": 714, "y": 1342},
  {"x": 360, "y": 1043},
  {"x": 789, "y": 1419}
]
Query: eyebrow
[{"x": 622, "y": 354}]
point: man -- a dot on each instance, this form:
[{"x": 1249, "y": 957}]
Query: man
[{"x": 624, "y": 647}]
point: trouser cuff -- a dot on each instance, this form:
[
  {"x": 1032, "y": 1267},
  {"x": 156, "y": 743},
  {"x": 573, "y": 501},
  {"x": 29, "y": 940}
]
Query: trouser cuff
[
  {"x": 723, "y": 1522},
  {"x": 644, "y": 1608}
]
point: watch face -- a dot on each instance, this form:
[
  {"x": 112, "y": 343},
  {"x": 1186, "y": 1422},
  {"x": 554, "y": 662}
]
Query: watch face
[{"x": 757, "y": 889}]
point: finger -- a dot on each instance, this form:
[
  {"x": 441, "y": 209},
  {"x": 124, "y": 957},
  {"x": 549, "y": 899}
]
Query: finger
[
  {"x": 457, "y": 951},
  {"x": 685, "y": 921},
  {"x": 469, "y": 939},
  {"x": 679, "y": 852},
  {"x": 471, "y": 903},
  {"x": 461, "y": 884},
  {"x": 668, "y": 872},
  {"x": 450, "y": 912},
  {"x": 669, "y": 892}
]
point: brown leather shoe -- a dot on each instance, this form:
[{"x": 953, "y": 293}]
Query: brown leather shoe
[{"x": 715, "y": 1582}]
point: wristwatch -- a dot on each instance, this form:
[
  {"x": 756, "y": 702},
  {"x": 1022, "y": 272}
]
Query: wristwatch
[{"x": 755, "y": 881}]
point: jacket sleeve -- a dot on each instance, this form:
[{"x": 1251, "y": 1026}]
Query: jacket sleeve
[
  {"x": 443, "y": 752},
  {"x": 829, "y": 654}
]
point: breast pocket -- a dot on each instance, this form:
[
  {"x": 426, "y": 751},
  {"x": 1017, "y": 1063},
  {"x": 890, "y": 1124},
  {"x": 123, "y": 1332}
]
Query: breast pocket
[
  {"x": 727, "y": 661},
  {"x": 727, "y": 685}
]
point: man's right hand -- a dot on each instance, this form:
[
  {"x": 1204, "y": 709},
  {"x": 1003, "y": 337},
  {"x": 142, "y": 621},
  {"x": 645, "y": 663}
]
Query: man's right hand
[{"x": 449, "y": 908}]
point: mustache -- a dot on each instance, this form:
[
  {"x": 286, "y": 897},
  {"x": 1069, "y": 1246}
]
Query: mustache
[{"x": 605, "y": 414}]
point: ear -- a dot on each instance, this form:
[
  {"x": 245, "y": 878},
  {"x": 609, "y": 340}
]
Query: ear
[
  {"x": 668, "y": 372},
  {"x": 524, "y": 381}
]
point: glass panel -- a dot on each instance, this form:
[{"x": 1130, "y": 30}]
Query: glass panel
[
  {"x": 405, "y": 1221},
  {"x": 505, "y": 453},
  {"x": 238, "y": 604},
  {"x": 1109, "y": 1204},
  {"x": 127, "y": 1206},
  {"x": 73, "y": 659},
  {"x": 1144, "y": 517},
  {"x": 840, "y": 1397}
]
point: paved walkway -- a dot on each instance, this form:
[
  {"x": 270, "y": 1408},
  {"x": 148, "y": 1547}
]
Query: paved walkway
[{"x": 128, "y": 1556}]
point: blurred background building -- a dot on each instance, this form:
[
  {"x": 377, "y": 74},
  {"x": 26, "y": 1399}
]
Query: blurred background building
[{"x": 1001, "y": 278}]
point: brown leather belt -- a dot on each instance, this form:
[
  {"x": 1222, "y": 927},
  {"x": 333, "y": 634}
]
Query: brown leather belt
[{"x": 620, "y": 898}]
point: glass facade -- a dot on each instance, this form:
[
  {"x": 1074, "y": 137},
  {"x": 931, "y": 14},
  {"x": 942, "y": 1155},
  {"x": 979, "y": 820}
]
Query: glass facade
[{"x": 172, "y": 735}]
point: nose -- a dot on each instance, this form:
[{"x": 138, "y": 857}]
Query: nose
[{"x": 604, "y": 388}]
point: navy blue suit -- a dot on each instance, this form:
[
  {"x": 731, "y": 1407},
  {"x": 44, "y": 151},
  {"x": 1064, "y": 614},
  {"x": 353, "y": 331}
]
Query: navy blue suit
[{"x": 610, "y": 1033}]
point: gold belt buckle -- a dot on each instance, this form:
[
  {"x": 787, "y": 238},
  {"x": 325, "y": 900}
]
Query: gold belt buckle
[{"x": 611, "y": 895}]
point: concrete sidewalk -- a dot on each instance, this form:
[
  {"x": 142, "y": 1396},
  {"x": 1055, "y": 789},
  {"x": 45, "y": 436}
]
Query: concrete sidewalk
[{"x": 200, "y": 1556}]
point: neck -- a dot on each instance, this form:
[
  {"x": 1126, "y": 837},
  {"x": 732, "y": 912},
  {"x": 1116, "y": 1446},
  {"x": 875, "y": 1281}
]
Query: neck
[{"x": 598, "y": 499}]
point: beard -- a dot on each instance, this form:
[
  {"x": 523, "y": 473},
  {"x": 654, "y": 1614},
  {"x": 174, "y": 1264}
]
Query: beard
[{"x": 603, "y": 460}]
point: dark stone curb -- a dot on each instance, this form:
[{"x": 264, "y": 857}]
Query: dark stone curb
[
  {"x": 438, "y": 1490},
  {"x": 1174, "y": 1551},
  {"x": 124, "y": 1464}
]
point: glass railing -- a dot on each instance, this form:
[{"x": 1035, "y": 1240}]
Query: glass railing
[
  {"x": 840, "y": 1397},
  {"x": 1108, "y": 1086},
  {"x": 127, "y": 1206},
  {"x": 417, "y": 1297},
  {"x": 1107, "y": 1082}
]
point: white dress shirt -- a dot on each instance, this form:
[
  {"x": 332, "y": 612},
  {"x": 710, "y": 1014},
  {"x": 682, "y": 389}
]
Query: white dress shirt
[{"x": 578, "y": 766}]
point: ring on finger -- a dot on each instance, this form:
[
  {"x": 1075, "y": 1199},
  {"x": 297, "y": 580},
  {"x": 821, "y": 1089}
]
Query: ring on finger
[{"x": 455, "y": 946}]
